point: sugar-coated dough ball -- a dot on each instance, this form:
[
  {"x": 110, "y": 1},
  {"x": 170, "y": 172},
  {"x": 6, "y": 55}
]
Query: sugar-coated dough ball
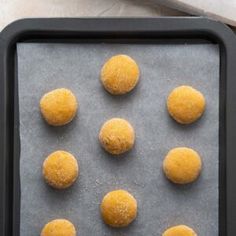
[
  {"x": 179, "y": 230},
  {"x": 120, "y": 74},
  {"x": 117, "y": 136},
  {"x": 118, "y": 208},
  {"x": 58, "y": 107},
  {"x": 60, "y": 169},
  {"x": 182, "y": 165},
  {"x": 59, "y": 227},
  {"x": 186, "y": 104}
]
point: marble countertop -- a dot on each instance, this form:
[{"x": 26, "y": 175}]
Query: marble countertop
[{"x": 16, "y": 9}]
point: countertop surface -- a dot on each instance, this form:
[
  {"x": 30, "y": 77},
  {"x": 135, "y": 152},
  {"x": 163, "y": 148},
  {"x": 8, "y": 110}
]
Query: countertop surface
[
  {"x": 216, "y": 9},
  {"x": 16, "y": 9}
]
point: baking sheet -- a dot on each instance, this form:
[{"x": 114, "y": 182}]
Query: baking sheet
[{"x": 43, "y": 67}]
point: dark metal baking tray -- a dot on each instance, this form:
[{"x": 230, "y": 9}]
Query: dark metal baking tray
[{"x": 160, "y": 30}]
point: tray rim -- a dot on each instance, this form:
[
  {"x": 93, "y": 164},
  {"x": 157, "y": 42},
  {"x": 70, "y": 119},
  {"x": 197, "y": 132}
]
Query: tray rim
[{"x": 128, "y": 29}]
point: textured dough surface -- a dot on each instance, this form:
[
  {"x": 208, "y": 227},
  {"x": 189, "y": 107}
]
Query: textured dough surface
[
  {"x": 60, "y": 169},
  {"x": 118, "y": 208},
  {"x": 120, "y": 74},
  {"x": 185, "y": 104},
  {"x": 182, "y": 165},
  {"x": 179, "y": 230},
  {"x": 59, "y": 227},
  {"x": 58, "y": 106},
  {"x": 117, "y": 136}
]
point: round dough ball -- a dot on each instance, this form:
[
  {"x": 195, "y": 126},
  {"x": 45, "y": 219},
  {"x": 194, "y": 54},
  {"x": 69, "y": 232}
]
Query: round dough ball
[
  {"x": 117, "y": 136},
  {"x": 179, "y": 230},
  {"x": 59, "y": 227},
  {"x": 185, "y": 104},
  {"x": 120, "y": 74},
  {"x": 58, "y": 107},
  {"x": 118, "y": 208},
  {"x": 60, "y": 169},
  {"x": 182, "y": 165}
]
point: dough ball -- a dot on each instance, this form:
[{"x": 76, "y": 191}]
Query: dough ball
[
  {"x": 182, "y": 165},
  {"x": 59, "y": 227},
  {"x": 120, "y": 74},
  {"x": 60, "y": 169},
  {"x": 117, "y": 136},
  {"x": 58, "y": 107},
  {"x": 118, "y": 208},
  {"x": 185, "y": 104},
  {"x": 180, "y": 230}
]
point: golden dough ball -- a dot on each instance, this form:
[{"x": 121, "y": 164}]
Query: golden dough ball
[
  {"x": 120, "y": 74},
  {"x": 118, "y": 208},
  {"x": 185, "y": 104},
  {"x": 117, "y": 136},
  {"x": 60, "y": 169},
  {"x": 182, "y": 165},
  {"x": 59, "y": 227},
  {"x": 179, "y": 230},
  {"x": 58, "y": 107}
]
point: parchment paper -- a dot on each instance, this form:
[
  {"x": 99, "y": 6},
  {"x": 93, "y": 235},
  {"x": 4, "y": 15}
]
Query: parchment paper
[{"x": 43, "y": 67}]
